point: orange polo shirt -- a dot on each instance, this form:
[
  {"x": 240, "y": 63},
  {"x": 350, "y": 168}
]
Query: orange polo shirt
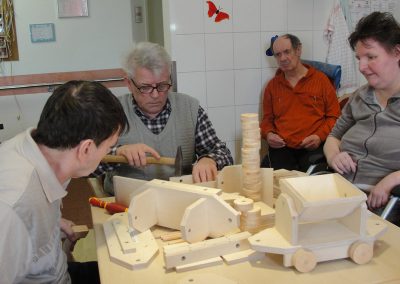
[{"x": 311, "y": 107}]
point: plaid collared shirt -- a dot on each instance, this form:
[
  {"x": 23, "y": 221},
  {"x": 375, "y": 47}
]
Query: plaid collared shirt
[{"x": 207, "y": 144}]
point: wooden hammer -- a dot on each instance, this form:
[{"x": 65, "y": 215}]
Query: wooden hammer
[{"x": 176, "y": 162}]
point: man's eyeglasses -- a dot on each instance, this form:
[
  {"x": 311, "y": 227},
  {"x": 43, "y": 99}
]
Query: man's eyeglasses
[{"x": 162, "y": 87}]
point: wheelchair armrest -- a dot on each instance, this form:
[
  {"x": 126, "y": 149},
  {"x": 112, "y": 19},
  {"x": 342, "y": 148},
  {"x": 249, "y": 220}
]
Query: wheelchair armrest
[{"x": 396, "y": 191}]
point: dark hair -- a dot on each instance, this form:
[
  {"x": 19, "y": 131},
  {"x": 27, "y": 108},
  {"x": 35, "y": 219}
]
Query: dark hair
[
  {"x": 294, "y": 40},
  {"x": 79, "y": 110},
  {"x": 379, "y": 26}
]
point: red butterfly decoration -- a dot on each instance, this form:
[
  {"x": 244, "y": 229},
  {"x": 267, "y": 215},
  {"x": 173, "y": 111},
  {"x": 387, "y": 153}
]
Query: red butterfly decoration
[{"x": 212, "y": 9}]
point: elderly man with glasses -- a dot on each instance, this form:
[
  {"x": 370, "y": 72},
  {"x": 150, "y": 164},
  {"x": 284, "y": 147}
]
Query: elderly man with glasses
[{"x": 161, "y": 121}]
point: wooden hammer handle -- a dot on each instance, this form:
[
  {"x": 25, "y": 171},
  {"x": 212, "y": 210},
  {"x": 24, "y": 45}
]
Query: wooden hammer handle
[{"x": 149, "y": 160}]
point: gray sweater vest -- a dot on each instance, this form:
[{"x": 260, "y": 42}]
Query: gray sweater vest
[{"x": 179, "y": 131}]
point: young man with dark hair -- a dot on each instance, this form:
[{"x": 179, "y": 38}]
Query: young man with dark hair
[{"x": 78, "y": 125}]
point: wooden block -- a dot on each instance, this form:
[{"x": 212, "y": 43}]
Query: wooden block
[
  {"x": 171, "y": 236},
  {"x": 246, "y": 255},
  {"x": 199, "y": 264},
  {"x": 124, "y": 237},
  {"x": 146, "y": 245},
  {"x": 179, "y": 254},
  {"x": 80, "y": 231},
  {"x": 177, "y": 206},
  {"x": 205, "y": 278}
]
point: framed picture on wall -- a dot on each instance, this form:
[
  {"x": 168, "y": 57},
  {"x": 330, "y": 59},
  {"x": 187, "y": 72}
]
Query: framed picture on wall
[{"x": 72, "y": 8}]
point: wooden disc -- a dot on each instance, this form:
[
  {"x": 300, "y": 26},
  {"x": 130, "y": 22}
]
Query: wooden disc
[
  {"x": 361, "y": 252},
  {"x": 304, "y": 260},
  {"x": 243, "y": 204}
]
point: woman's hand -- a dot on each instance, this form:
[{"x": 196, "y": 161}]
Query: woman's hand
[{"x": 343, "y": 163}]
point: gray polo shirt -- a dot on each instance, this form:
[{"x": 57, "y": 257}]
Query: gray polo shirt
[{"x": 30, "y": 199}]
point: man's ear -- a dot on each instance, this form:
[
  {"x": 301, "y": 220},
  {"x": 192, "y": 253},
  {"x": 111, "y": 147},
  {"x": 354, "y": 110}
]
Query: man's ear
[
  {"x": 128, "y": 83},
  {"x": 84, "y": 149}
]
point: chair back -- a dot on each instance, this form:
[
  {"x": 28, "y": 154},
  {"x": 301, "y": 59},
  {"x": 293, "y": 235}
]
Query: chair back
[{"x": 333, "y": 72}]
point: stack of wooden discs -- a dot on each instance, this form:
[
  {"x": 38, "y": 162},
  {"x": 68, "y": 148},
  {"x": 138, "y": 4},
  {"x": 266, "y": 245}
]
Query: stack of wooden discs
[
  {"x": 250, "y": 218},
  {"x": 251, "y": 156}
]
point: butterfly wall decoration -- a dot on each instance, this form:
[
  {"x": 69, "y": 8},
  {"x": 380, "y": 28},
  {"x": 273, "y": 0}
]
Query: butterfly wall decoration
[{"x": 212, "y": 10}]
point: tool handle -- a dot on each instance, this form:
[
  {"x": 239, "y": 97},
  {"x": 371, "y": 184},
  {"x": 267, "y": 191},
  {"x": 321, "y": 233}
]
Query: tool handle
[
  {"x": 111, "y": 207},
  {"x": 149, "y": 160}
]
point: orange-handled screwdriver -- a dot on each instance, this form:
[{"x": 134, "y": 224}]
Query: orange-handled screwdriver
[{"x": 111, "y": 207}]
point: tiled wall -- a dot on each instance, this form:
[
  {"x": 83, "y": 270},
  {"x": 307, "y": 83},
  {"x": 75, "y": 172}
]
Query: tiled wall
[{"x": 224, "y": 64}]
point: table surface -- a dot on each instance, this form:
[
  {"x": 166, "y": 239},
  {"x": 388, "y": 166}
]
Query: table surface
[{"x": 383, "y": 268}]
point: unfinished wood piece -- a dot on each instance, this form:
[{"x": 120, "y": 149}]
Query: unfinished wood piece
[
  {"x": 199, "y": 264},
  {"x": 80, "y": 231},
  {"x": 341, "y": 228},
  {"x": 171, "y": 236},
  {"x": 176, "y": 206},
  {"x": 304, "y": 260},
  {"x": 125, "y": 188},
  {"x": 323, "y": 197},
  {"x": 124, "y": 237},
  {"x": 361, "y": 252},
  {"x": 194, "y": 224},
  {"x": 245, "y": 255},
  {"x": 143, "y": 245},
  {"x": 205, "y": 278},
  {"x": 186, "y": 254},
  {"x": 230, "y": 181}
]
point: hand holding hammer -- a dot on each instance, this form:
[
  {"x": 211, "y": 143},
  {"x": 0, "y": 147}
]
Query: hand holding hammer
[{"x": 138, "y": 158}]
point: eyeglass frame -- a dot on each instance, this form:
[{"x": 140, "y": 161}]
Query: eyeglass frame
[{"x": 153, "y": 88}]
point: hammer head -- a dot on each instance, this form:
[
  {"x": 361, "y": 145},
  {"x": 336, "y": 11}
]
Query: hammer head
[{"x": 178, "y": 162}]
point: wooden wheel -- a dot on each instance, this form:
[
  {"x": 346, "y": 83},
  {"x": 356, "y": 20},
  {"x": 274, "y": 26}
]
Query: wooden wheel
[
  {"x": 361, "y": 252},
  {"x": 304, "y": 260}
]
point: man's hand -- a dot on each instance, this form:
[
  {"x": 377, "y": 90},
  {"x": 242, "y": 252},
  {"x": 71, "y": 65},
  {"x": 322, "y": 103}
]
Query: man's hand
[
  {"x": 311, "y": 142},
  {"x": 66, "y": 228},
  {"x": 136, "y": 154},
  {"x": 204, "y": 170},
  {"x": 275, "y": 141},
  {"x": 343, "y": 163}
]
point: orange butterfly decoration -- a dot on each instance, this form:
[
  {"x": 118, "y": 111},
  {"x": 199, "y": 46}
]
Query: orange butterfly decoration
[{"x": 212, "y": 9}]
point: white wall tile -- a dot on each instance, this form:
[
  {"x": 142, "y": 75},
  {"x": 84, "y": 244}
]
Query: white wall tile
[
  {"x": 246, "y": 49},
  {"x": 188, "y": 51},
  {"x": 10, "y": 117},
  {"x": 220, "y": 88},
  {"x": 187, "y": 16},
  {"x": 274, "y": 15},
  {"x": 223, "y": 119},
  {"x": 32, "y": 106},
  {"x": 300, "y": 15},
  {"x": 219, "y": 51},
  {"x": 210, "y": 26},
  {"x": 306, "y": 38},
  {"x": 247, "y": 86},
  {"x": 320, "y": 46},
  {"x": 246, "y": 15},
  {"x": 194, "y": 85},
  {"x": 322, "y": 10}
]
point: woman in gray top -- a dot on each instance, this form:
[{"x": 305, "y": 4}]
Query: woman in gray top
[{"x": 364, "y": 144}]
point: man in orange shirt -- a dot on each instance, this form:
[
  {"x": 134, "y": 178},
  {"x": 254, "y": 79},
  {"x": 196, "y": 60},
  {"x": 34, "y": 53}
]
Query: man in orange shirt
[{"x": 300, "y": 108}]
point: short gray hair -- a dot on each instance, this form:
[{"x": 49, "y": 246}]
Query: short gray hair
[{"x": 151, "y": 56}]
